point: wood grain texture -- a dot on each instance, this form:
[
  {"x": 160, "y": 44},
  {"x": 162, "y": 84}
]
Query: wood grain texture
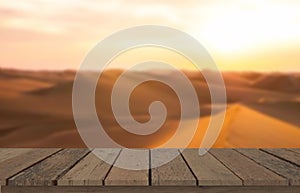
[
  {"x": 91, "y": 170},
  {"x": 279, "y": 166},
  {"x": 14, "y": 165},
  {"x": 285, "y": 154},
  {"x": 173, "y": 173},
  {"x": 295, "y": 150},
  {"x": 8, "y": 153},
  {"x": 130, "y": 159},
  {"x": 45, "y": 173},
  {"x": 220, "y": 167},
  {"x": 151, "y": 189},
  {"x": 208, "y": 170},
  {"x": 249, "y": 171}
]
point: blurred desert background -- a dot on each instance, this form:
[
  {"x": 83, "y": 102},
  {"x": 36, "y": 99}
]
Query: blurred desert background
[
  {"x": 36, "y": 108},
  {"x": 255, "y": 44}
]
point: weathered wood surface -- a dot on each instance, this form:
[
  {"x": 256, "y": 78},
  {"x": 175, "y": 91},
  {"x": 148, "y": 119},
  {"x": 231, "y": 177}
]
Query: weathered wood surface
[
  {"x": 6, "y": 154},
  {"x": 47, "y": 172},
  {"x": 91, "y": 170},
  {"x": 285, "y": 154},
  {"x": 118, "y": 176},
  {"x": 279, "y": 166},
  {"x": 208, "y": 170},
  {"x": 22, "y": 160},
  {"x": 295, "y": 150},
  {"x": 151, "y": 189},
  {"x": 229, "y": 168},
  {"x": 249, "y": 171},
  {"x": 174, "y": 173}
]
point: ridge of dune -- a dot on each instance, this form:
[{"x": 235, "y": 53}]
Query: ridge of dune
[
  {"x": 43, "y": 75},
  {"x": 59, "y": 88},
  {"x": 203, "y": 126},
  {"x": 278, "y": 82},
  {"x": 22, "y": 84},
  {"x": 281, "y": 110},
  {"x": 250, "y": 128},
  {"x": 259, "y": 130}
]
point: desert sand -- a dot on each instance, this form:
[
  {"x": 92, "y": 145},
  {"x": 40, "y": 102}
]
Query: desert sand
[{"x": 36, "y": 109}]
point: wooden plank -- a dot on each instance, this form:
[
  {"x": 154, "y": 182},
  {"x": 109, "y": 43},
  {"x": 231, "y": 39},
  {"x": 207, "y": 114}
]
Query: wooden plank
[
  {"x": 208, "y": 170},
  {"x": 131, "y": 159},
  {"x": 249, "y": 171},
  {"x": 295, "y": 150},
  {"x": 285, "y": 154},
  {"x": 151, "y": 189},
  {"x": 48, "y": 171},
  {"x": 8, "y": 153},
  {"x": 91, "y": 170},
  {"x": 14, "y": 165},
  {"x": 281, "y": 167},
  {"x": 174, "y": 173}
]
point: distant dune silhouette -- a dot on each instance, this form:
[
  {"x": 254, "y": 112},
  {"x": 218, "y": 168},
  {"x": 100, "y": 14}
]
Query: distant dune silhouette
[{"x": 278, "y": 82}]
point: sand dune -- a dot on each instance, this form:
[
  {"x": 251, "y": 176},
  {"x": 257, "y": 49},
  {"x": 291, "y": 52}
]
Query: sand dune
[
  {"x": 23, "y": 84},
  {"x": 287, "y": 111},
  {"x": 36, "y": 108},
  {"x": 246, "y": 128},
  {"x": 249, "y": 128},
  {"x": 278, "y": 82}
]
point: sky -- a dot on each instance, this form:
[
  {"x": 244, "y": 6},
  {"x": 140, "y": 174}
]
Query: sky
[{"x": 240, "y": 35}]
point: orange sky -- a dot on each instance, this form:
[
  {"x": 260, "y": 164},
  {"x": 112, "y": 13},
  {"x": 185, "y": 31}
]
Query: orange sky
[{"x": 250, "y": 35}]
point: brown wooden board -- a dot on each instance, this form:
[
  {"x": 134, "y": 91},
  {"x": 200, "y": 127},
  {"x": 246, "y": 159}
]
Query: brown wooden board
[
  {"x": 12, "y": 152},
  {"x": 121, "y": 176},
  {"x": 152, "y": 189},
  {"x": 220, "y": 167},
  {"x": 91, "y": 170},
  {"x": 285, "y": 154},
  {"x": 14, "y": 165},
  {"x": 209, "y": 171},
  {"x": 295, "y": 150},
  {"x": 173, "y": 173},
  {"x": 249, "y": 171},
  {"x": 46, "y": 173},
  {"x": 279, "y": 166}
]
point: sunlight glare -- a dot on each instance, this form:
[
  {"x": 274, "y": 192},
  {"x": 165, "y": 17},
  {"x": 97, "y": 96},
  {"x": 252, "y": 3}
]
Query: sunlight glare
[{"x": 234, "y": 30}]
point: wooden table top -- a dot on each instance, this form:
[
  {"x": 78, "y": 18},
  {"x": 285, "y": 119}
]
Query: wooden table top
[{"x": 219, "y": 167}]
